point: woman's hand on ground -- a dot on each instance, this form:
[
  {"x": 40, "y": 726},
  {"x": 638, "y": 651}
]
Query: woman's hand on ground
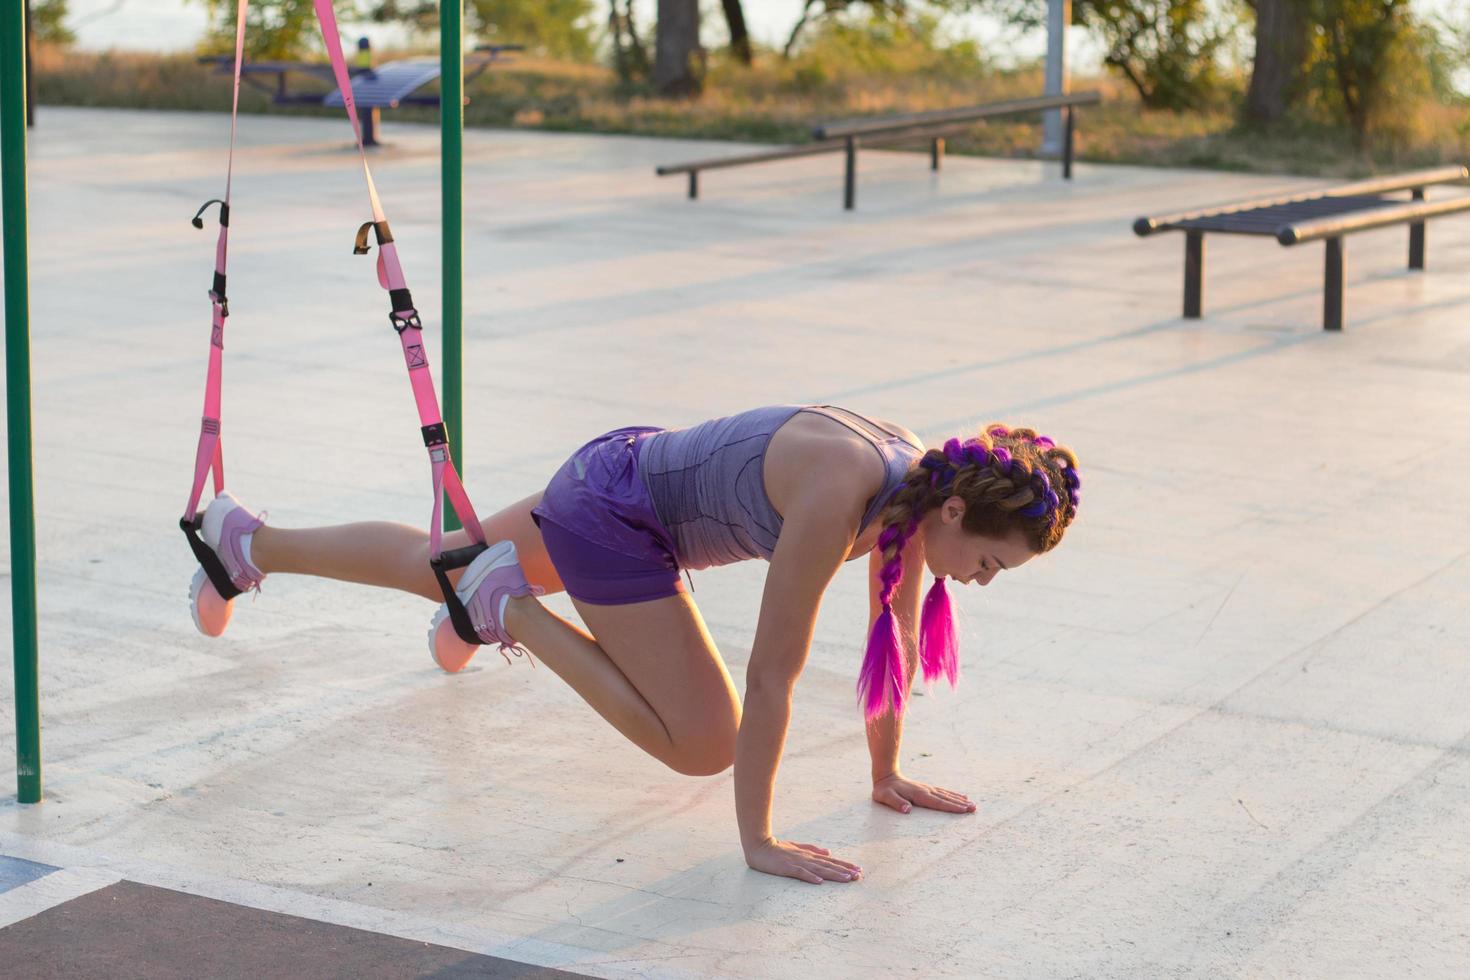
[
  {"x": 900, "y": 793},
  {"x": 806, "y": 862}
]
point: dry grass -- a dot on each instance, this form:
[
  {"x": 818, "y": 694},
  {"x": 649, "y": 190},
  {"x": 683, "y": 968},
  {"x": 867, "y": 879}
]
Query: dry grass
[{"x": 777, "y": 101}]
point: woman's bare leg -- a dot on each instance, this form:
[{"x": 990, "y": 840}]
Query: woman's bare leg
[{"x": 396, "y": 556}]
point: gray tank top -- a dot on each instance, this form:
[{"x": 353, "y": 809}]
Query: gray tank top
[{"x": 707, "y": 482}]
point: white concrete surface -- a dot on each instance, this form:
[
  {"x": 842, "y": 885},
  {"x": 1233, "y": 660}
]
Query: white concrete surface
[{"x": 1222, "y": 731}]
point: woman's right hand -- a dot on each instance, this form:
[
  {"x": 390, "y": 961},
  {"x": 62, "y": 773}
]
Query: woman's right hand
[{"x": 806, "y": 862}]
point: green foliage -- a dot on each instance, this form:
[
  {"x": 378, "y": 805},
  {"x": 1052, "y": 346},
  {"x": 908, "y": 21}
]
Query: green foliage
[
  {"x": 47, "y": 25},
  {"x": 1169, "y": 50},
  {"x": 554, "y": 28},
  {"x": 1367, "y": 63},
  {"x": 274, "y": 29},
  {"x": 288, "y": 29},
  {"x": 880, "y": 43}
]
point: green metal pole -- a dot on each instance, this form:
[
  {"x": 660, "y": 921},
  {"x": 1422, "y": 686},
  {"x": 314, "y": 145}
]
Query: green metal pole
[
  {"x": 18, "y": 400},
  {"x": 451, "y": 217}
]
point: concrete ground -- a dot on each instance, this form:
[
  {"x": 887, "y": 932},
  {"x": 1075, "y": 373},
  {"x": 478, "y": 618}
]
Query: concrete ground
[{"x": 1222, "y": 731}]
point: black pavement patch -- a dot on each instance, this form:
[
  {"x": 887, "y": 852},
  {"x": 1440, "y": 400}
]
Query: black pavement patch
[{"x": 133, "y": 930}]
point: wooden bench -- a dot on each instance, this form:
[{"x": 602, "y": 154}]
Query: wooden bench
[{"x": 1327, "y": 215}]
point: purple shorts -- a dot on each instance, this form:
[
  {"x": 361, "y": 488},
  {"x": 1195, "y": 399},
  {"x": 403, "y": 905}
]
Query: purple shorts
[{"x": 599, "y": 526}]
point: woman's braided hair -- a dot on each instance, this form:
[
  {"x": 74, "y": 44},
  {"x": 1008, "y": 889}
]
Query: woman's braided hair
[{"x": 1012, "y": 481}]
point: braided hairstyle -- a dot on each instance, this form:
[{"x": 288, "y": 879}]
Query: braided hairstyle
[{"x": 1011, "y": 480}]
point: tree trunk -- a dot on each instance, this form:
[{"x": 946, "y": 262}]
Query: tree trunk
[
  {"x": 678, "y": 59},
  {"x": 1281, "y": 51},
  {"x": 739, "y": 36}
]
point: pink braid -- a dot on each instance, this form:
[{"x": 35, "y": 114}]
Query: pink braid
[
  {"x": 882, "y": 680},
  {"x": 939, "y": 645}
]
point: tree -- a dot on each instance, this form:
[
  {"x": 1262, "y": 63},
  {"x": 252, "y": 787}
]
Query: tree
[
  {"x": 1279, "y": 65},
  {"x": 1360, "y": 40},
  {"x": 288, "y": 28},
  {"x": 812, "y": 10},
  {"x": 1167, "y": 49},
  {"x": 47, "y": 27},
  {"x": 630, "y": 57},
  {"x": 678, "y": 60},
  {"x": 739, "y": 36}
]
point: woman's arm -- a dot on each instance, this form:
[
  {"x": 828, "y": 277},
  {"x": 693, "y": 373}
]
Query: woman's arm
[
  {"x": 816, "y": 536},
  {"x": 890, "y": 787},
  {"x": 885, "y": 733}
]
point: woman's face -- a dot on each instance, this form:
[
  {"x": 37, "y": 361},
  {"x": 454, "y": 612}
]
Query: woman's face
[{"x": 951, "y": 551}]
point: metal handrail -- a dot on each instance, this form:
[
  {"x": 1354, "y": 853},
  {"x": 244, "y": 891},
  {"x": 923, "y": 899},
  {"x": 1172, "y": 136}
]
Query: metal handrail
[
  {"x": 938, "y": 117},
  {"x": 1374, "y": 185},
  {"x": 847, "y": 136}
]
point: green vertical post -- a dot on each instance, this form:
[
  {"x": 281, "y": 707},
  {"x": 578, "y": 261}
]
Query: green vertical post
[
  {"x": 451, "y": 217},
  {"x": 18, "y": 400}
]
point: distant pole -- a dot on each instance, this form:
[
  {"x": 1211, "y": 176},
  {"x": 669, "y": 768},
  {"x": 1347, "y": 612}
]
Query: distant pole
[
  {"x": 451, "y": 218},
  {"x": 18, "y": 400},
  {"x": 1058, "y": 80}
]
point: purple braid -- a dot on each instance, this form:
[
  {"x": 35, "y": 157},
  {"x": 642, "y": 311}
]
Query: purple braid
[{"x": 883, "y": 677}]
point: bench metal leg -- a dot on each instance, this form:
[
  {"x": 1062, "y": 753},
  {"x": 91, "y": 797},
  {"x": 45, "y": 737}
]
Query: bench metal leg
[
  {"x": 936, "y": 152},
  {"x": 693, "y": 185},
  {"x": 1067, "y": 148},
  {"x": 849, "y": 193},
  {"x": 1416, "y": 237},
  {"x": 1194, "y": 273},
  {"x": 1332, "y": 287}
]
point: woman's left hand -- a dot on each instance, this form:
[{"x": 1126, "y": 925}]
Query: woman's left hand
[{"x": 899, "y": 793}]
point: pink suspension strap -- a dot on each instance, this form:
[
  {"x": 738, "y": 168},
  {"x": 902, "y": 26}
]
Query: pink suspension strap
[
  {"x": 405, "y": 320},
  {"x": 210, "y": 454}
]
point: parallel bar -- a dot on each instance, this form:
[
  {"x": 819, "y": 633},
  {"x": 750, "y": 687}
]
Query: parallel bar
[
  {"x": 870, "y": 127},
  {"x": 1332, "y": 286},
  {"x": 451, "y": 216},
  {"x": 1377, "y": 185},
  {"x": 18, "y": 400},
  {"x": 764, "y": 156},
  {"x": 1416, "y": 237},
  {"x": 1405, "y": 213},
  {"x": 1194, "y": 274}
]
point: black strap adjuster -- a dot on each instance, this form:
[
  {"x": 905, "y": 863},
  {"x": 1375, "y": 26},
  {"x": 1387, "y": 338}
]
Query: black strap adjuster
[{"x": 380, "y": 231}]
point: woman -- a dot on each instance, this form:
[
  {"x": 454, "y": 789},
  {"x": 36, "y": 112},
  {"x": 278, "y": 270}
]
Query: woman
[{"x": 806, "y": 487}]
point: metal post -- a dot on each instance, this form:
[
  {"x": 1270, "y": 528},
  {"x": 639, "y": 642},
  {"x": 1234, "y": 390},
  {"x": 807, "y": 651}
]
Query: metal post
[
  {"x": 1194, "y": 273},
  {"x": 18, "y": 400},
  {"x": 369, "y": 119},
  {"x": 451, "y": 219},
  {"x": 1416, "y": 237},
  {"x": 1067, "y": 147},
  {"x": 693, "y": 184},
  {"x": 936, "y": 152},
  {"x": 1332, "y": 286},
  {"x": 1058, "y": 17},
  {"x": 849, "y": 194}
]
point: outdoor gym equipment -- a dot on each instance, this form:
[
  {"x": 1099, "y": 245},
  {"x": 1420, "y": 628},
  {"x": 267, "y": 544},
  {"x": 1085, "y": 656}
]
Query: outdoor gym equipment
[{"x": 1328, "y": 214}]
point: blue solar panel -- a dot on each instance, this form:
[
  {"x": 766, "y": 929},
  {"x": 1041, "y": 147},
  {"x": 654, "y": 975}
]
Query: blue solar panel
[{"x": 387, "y": 85}]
